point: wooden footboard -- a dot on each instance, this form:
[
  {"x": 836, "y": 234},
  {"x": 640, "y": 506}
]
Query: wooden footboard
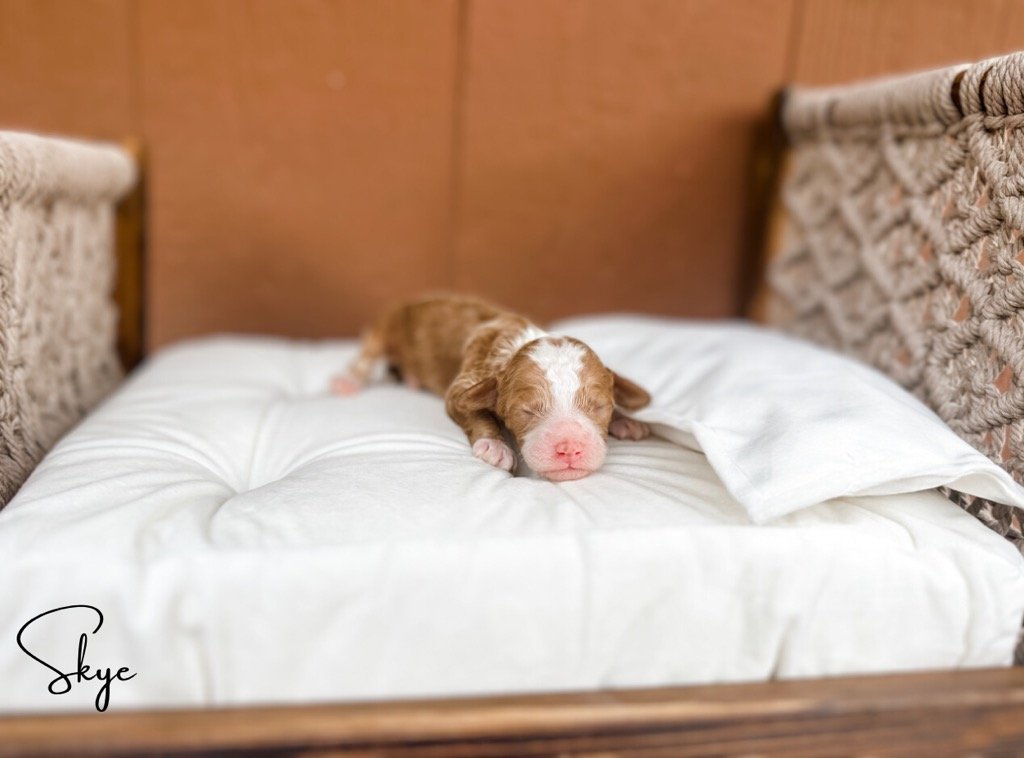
[{"x": 968, "y": 712}]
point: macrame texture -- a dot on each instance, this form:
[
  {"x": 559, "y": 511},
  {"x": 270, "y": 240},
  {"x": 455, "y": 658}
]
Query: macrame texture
[
  {"x": 904, "y": 206},
  {"x": 57, "y": 320}
]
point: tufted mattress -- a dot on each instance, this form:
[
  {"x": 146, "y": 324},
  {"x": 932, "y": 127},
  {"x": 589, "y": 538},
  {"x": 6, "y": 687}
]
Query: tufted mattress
[{"x": 249, "y": 539}]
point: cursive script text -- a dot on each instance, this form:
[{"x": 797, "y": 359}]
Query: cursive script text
[{"x": 62, "y": 683}]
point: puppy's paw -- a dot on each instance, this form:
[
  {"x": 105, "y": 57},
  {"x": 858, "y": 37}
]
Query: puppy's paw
[
  {"x": 624, "y": 428},
  {"x": 345, "y": 385},
  {"x": 494, "y": 452}
]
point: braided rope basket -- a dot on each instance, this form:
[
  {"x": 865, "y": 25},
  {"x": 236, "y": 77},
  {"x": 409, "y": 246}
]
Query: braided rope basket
[{"x": 901, "y": 244}]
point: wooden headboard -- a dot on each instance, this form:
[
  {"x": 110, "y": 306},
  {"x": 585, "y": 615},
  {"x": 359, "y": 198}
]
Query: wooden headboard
[{"x": 728, "y": 292}]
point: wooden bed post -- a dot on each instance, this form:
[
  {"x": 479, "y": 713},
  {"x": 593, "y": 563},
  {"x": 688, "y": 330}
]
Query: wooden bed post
[
  {"x": 130, "y": 246},
  {"x": 764, "y": 204}
]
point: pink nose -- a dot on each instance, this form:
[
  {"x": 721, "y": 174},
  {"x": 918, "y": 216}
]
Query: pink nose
[{"x": 569, "y": 450}]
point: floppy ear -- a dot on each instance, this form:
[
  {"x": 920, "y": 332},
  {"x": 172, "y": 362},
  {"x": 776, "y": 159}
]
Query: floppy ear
[
  {"x": 629, "y": 396},
  {"x": 482, "y": 396}
]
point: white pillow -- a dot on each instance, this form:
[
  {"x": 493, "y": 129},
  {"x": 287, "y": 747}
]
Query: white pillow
[{"x": 784, "y": 423}]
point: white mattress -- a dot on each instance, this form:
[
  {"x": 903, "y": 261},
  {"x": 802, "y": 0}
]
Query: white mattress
[{"x": 250, "y": 539}]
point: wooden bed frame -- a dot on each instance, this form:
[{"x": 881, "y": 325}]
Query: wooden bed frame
[
  {"x": 967, "y": 712},
  {"x": 940, "y": 713},
  {"x": 130, "y": 250}
]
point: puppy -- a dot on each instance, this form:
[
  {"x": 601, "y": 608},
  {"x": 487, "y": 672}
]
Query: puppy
[{"x": 494, "y": 368}]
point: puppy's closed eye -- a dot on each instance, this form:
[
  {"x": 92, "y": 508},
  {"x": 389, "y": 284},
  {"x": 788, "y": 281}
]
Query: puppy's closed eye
[{"x": 528, "y": 412}]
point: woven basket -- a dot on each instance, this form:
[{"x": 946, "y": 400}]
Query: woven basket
[{"x": 902, "y": 245}]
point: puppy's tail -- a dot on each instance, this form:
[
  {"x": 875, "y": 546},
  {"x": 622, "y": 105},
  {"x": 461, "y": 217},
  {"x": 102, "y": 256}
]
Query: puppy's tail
[{"x": 361, "y": 368}]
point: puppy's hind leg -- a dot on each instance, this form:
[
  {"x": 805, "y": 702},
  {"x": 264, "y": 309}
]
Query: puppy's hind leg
[{"x": 359, "y": 371}]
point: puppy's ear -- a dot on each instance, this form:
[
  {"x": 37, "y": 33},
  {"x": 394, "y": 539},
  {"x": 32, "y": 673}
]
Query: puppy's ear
[
  {"x": 629, "y": 396},
  {"x": 482, "y": 396}
]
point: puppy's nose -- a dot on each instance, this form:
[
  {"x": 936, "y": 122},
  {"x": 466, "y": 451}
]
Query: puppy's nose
[{"x": 568, "y": 450}]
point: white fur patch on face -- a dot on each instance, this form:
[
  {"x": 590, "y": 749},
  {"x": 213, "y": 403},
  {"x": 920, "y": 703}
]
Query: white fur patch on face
[
  {"x": 508, "y": 347},
  {"x": 561, "y": 363},
  {"x": 529, "y": 334}
]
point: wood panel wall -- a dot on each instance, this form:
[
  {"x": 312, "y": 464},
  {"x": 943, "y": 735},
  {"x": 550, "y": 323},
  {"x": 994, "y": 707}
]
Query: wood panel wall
[{"x": 312, "y": 160}]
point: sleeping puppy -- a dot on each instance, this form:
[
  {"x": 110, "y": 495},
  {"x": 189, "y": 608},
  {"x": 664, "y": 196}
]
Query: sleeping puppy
[{"x": 494, "y": 369}]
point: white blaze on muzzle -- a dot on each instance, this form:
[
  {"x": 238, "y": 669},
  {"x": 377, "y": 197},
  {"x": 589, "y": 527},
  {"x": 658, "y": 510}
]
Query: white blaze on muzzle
[{"x": 565, "y": 440}]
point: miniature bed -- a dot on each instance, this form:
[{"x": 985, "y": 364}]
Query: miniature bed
[{"x": 278, "y": 546}]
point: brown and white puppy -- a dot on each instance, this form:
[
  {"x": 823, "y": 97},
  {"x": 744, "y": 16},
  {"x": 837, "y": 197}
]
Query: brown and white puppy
[{"x": 494, "y": 368}]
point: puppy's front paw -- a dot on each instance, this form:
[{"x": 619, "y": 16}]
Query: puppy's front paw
[
  {"x": 494, "y": 452},
  {"x": 345, "y": 385},
  {"x": 624, "y": 428}
]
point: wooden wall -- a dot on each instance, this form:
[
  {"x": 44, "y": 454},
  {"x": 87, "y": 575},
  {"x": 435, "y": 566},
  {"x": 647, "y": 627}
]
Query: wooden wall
[{"x": 312, "y": 160}]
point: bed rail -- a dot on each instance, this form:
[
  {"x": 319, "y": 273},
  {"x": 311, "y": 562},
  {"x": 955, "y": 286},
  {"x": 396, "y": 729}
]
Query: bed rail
[{"x": 950, "y": 713}]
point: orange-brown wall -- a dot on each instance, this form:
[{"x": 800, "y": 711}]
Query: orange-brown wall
[{"x": 311, "y": 160}]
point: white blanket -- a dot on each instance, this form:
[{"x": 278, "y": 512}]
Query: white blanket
[{"x": 250, "y": 539}]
